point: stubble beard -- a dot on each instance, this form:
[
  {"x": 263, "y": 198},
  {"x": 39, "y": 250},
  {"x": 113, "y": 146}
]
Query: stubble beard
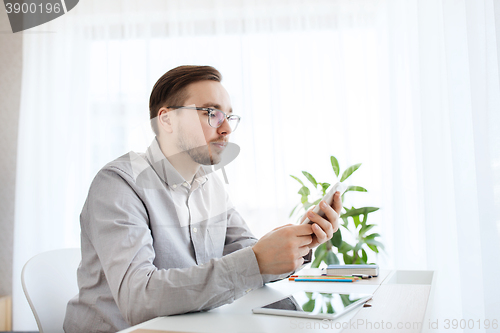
[{"x": 200, "y": 154}]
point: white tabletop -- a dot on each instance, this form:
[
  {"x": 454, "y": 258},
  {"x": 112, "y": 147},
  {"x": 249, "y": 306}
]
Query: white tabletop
[{"x": 238, "y": 316}]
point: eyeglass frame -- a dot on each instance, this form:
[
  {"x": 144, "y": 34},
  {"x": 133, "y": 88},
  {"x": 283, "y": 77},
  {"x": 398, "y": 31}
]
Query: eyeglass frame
[{"x": 210, "y": 110}]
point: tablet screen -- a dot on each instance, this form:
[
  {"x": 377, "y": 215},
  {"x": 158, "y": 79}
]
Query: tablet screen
[{"x": 317, "y": 303}]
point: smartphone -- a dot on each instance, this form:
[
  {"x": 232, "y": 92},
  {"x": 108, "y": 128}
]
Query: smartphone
[{"x": 328, "y": 199}]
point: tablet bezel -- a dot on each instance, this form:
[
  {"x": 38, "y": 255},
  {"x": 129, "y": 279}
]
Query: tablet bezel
[{"x": 279, "y": 312}]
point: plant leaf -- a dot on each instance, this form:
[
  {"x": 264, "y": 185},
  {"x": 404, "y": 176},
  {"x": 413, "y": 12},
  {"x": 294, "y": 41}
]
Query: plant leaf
[
  {"x": 319, "y": 255},
  {"x": 356, "y": 188},
  {"x": 365, "y": 218},
  {"x": 297, "y": 179},
  {"x": 293, "y": 210},
  {"x": 372, "y": 247},
  {"x": 364, "y": 229},
  {"x": 325, "y": 186},
  {"x": 320, "y": 249},
  {"x": 329, "y": 308},
  {"x": 358, "y": 261},
  {"x": 370, "y": 241},
  {"x": 364, "y": 256},
  {"x": 306, "y": 205},
  {"x": 310, "y": 178},
  {"x": 335, "y": 165},
  {"x": 317, "y": 260},
  {"x": 356, "y": 220},
  {"x": 359, "y": 211},
  {"x": 304, "y": 191},
  {"x": 331, "y": 258},
  {"x": 346, "y": 222},
  {"x": 347, "y": 259},
  {"x": 345, "y": 247},
  {"x": 372, "y": 236},
  {"x": 357, "y": 247},
  {"x": 309, "y": 305},
  {"x": 345, "y": 300},
  {"x": 349, "y": 171},
  {"x": 336, "y": 239}
]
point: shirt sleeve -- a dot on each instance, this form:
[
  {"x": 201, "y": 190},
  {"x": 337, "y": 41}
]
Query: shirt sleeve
[
  {"x": 239, "y": 236},
  {"x": 115, "y": 222}
]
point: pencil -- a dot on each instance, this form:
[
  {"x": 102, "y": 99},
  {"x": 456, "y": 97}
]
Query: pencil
[
  {"x": 318, "y": 278},
  {"x": 326, "y": 276},
  {"x": 322, "y": 280}
]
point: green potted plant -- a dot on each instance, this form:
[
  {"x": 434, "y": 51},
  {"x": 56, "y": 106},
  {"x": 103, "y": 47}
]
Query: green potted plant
[{"x": 355, "y": 221}]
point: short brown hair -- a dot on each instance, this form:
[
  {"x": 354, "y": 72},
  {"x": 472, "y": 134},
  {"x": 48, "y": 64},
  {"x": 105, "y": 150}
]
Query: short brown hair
[{"x": 170, "y": 88}]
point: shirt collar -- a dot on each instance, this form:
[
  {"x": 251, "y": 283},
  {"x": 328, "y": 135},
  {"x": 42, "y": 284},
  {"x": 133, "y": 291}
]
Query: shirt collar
[{"x": 166, "y": 171}]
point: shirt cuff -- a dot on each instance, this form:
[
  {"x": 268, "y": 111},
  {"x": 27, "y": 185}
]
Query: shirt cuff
[
  {"x": 245, "y": 271},
  {"x": 273, "y": 278}
]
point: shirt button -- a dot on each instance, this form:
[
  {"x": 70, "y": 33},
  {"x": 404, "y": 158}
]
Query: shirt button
[
  {"x": 195, "y": 230},
  {"x": 174, "y": 186}
]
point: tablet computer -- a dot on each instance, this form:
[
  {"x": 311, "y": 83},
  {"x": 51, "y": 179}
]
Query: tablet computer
[{"x": 311, "y": 304}]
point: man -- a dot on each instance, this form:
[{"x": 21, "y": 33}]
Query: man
[{"x": 159, "y": 235}]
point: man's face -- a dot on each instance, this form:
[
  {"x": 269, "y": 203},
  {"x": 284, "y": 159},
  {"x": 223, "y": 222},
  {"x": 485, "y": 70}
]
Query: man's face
[{"x": 202, "y": 142}]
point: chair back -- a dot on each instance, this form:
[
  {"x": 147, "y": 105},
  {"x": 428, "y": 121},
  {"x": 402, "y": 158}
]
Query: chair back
[{"x": 49, "y": 282}]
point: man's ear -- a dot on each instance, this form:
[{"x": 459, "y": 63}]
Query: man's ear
[{"x": 165, "y": 120}]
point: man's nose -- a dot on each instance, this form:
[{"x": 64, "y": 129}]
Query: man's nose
[{"x": 225, "y": 128}]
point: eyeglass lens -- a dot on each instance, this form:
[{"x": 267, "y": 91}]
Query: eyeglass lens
[{"x": 217, "y": 118}]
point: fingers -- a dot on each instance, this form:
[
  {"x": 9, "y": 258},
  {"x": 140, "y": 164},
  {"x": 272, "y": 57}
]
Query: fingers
[
  {"x": 337, "y": 202},
  {"x": 305, "y": 215},
  {"x": 302, "y": 229},
  {"x": 321, "y": 235},
  {"x": 303, "y": 251},
  {"x": 281, "y": 250},
  {"x": 332, "y": 216},
  {"x": 328, "y": 222},
  {"x": 298, "y": 262},
  {"x": 300, "y": 235},
  {"x": 282, "y": 226},
  {"x": 304, "y": 234},
  {"x": 304, "y": 240}
]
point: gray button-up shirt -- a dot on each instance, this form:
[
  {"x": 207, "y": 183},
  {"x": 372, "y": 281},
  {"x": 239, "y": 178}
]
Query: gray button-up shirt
[{"x": 155, "y": 245}]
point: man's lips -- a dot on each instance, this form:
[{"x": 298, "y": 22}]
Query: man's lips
[{"x": 219, "y": 144}]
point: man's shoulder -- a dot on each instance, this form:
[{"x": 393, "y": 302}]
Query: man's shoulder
[
  {"x": 130, "y": 166},
  {"x": 128, "y": 163}
]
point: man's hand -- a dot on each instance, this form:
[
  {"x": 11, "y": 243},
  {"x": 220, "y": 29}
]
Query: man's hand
[
  {"x": 281, "y": 250},
  {"x": 324, "y": 228}
]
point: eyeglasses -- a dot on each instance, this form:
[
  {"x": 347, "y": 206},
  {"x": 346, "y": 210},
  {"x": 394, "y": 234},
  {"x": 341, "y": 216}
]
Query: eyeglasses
[{"x": 215, "y": 117}]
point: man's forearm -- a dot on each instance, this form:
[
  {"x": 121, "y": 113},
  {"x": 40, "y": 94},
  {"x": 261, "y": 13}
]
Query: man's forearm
[{"x": 145, "y": 292}]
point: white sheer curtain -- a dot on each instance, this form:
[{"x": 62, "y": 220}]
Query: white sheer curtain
[{"x": 410, "y": 89}]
